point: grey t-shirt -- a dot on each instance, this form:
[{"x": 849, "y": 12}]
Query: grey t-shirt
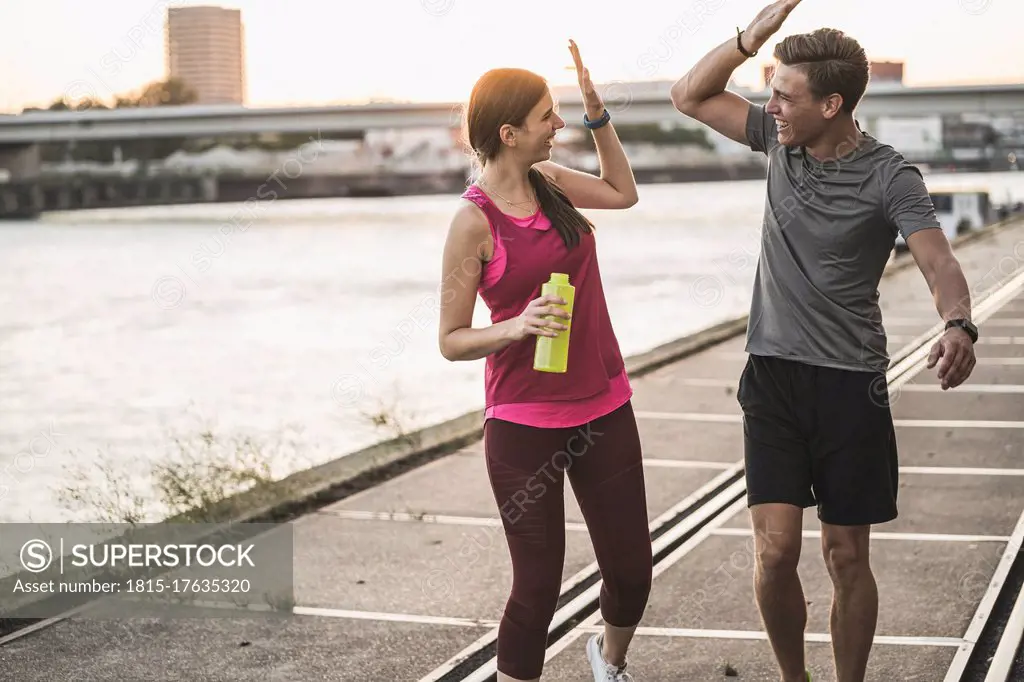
[{"x": 827, "y": 234}]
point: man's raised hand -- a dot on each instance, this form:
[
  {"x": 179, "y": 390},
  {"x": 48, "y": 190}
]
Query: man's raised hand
[{"x": 767, "y": 22}]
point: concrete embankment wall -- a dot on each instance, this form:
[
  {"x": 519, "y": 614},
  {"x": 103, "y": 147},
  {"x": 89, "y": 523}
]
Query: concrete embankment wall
[{"x": 28, "y": 199}]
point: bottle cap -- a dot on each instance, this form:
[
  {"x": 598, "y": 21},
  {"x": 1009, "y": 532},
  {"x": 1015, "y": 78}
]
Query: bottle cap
[{"x": 559, "y": 278}]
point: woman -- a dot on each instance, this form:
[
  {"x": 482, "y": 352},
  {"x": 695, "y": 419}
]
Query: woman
[{"x": 518, "y": 224}]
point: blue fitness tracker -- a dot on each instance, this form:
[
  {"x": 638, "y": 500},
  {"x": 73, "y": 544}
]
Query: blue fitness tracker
[{"x": 594, "y": 125}]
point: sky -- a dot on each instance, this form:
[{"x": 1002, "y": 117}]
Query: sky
[{"x": 309, "y": 52}]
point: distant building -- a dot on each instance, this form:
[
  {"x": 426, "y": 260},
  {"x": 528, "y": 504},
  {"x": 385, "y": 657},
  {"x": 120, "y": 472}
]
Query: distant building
[
  {"x": 881, "y": 72},
  {"x": 205, "y": 48},
  {"x": 888, "y": 72}
]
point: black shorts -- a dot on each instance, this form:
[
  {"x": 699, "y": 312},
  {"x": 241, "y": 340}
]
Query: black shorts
[{"x": 819, "y": 436}]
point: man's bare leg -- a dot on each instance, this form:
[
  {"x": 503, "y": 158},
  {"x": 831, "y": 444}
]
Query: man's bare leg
[
  {"x": 854, "y": 598},
  {"x": 780, "y": 597}
]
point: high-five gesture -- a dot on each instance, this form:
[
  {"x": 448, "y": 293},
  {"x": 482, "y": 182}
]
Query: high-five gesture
[
  {"x": 591, "y": 99},
  {"x": 767, "y": 22}
]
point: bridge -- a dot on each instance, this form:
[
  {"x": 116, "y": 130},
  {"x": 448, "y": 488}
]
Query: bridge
[{"x": 628, "y": 102}]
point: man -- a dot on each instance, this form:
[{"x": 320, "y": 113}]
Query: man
[{"x": 817, "y": 423}]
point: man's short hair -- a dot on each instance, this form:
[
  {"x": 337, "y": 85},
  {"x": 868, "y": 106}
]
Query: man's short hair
[{"x": 833, "y": 62}]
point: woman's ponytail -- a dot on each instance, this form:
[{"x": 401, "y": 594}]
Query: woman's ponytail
[{"x": 564, "y": 217}]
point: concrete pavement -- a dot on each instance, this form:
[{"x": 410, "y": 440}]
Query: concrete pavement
[{"x": 393, "y": 582}]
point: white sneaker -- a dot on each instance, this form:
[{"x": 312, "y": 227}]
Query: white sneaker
[{"x": 604, "y": 671}]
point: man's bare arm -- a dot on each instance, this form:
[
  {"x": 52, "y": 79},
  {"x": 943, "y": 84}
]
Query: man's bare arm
[
  {"x": 701, "y": 93},
  {"x": 942, "y": 272},
  {"x": 702, "y": 96},
  {"x": 954, "y": 351}
]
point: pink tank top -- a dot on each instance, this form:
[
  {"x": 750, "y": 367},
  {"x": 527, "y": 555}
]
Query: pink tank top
[{"x": 526, "y": 252}]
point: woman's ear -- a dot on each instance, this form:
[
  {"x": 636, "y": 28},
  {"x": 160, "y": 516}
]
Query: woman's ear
[{"x": 507, "y": 133}]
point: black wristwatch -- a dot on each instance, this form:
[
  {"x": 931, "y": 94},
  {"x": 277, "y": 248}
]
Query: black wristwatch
[{"x": 966, "y": 325}]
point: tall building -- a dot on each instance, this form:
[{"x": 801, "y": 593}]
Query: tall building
[
  {"x": 206, "y": 50},
  {"x": 881, "y": 72}
]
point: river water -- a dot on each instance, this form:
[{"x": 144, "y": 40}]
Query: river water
[{"x": 140, "y": 336}]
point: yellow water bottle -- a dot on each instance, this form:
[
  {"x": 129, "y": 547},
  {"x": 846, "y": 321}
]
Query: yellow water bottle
[{"x": 552, "y": 353}]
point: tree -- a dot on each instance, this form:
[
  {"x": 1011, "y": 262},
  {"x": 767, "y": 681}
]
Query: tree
[
  {"x": 63, "y": 104},
  {"x": 170, "y": 92},
  {"x": 654, "y": 133},
  {"x": 657, "y": 134}
]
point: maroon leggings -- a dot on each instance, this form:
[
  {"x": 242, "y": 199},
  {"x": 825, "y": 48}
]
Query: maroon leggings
[{"x": 527, "y": 467}]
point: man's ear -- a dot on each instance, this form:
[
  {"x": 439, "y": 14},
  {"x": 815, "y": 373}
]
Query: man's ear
[{"x": 832, "y": 105}]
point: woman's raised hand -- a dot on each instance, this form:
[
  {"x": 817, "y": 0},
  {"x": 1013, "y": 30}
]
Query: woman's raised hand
[{"x": 591, "y": 99}]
